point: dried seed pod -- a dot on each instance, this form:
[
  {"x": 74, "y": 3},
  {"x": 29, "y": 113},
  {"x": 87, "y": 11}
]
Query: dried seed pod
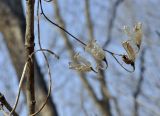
[
  {"x": 93, "y": 48},
  {"x": 126, "y": 30},
  {"x": 134, "y": 36},
  {"x": 79, "y": 67},
  {"x": 81, "y": 59},
  {"x": 138, "y": 34},
  {"x": 130, "y": 51},
  {"x": 134, "y": 46},
  {"x": 128, "y": 61}
]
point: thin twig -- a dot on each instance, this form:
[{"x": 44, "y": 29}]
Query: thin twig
[
  {"x": 23, "y": 75},
  {"x": 4, "y": 102},
  {"x": 42, "y": 12},
  {"x": 122, "y": 65},
  {"x": 48, "y": 0},
  {"x": 89, "y": 21},
  {"x": 140, "y": 81},
  {"x": 71, "y": 51},
  {"x": 49, "y": 72},
  {"x": 113, "y": 54},
  {"x": 111, "y": 21},
  {"x": 100, "y": 73},
  {"x": 20, "y": 86}
]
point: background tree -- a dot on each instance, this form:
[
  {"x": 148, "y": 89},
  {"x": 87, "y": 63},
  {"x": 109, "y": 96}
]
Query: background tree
[
  {"x": 12, "y": 26},
  {"x": 114, "y": 91}
]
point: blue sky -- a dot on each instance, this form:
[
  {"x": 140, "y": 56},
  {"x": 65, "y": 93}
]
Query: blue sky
[{"x": 121, "y": 84}]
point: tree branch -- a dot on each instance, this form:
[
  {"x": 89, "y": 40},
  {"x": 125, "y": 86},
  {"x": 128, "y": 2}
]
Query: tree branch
[
  {"x": 140, "y": 81},
  {"x": 101, "y": 75},
  {"x": 71, "y": 52},
  {"x": 29, "y": 43},
  {"x": 111, "y": 21},
  {"x": 89, "y": 21},
  {"x": 4, "y": 102}
]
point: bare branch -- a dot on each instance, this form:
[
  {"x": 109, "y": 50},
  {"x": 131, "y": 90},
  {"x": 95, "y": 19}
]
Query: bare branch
[
  {"x": 111, "y": 21},
  {"x": 4, "y": 102},
  {"x": 140, "y": 81},
  {"x": 29, "y": 42},
  {"x": 29, "y": 59},
  {"x": 89, "y": 21},
  {"x": 60, "y": 27},
  {"x": 70, "y": 49},
  {"x": 49, "y": 72}
]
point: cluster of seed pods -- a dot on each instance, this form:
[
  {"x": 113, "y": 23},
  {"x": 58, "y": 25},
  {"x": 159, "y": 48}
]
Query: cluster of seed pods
[{"x": 131, "y": 46}]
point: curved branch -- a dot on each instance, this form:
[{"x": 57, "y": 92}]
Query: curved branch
[{"x": 23, "y": 75}]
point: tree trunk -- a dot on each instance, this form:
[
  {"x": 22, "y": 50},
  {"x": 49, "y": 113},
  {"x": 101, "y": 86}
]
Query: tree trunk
[{"x": 12, "y": 26}]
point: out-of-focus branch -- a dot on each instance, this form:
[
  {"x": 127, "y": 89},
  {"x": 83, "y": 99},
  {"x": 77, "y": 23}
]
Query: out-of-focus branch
[
  {"x": 118, "y": 110},
  {"x": 109, "y": 32},
  {"x": 158, "y": 33},
  {"x": 4, "y": 102},
  {"x": 71, "y": 52},
  {"x": 111, "y": 21},
  {"x": 101, "y": 75},
  {"x": 104, "y": 92},
  {"x": 82, "y": 103},
  {"x": 89, "y": 21},
  {"x": 29, "y": 43},
  {"x": 140, "y": 81}
]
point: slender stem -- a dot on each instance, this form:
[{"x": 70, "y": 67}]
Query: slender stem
[{"x": 42, "y": 12}]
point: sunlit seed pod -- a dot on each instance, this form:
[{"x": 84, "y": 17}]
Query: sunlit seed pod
[
  {"x": 79, "y": 67},
  {"x": 89, "y": 47},
  {"x": 138, "y": 34},
  {"x": 129, "y": 50},
  {"x": 134, "y": 46},
  {"x": 93, "y": 48},
  {"x": 81, "y": 59},
  {"x": 126, "y": 30}
]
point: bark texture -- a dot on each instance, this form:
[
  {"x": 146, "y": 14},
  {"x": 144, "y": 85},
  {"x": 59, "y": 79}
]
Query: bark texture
[
  {"x": 12, "y": 26},
  {"x": 29, "y": 44}
]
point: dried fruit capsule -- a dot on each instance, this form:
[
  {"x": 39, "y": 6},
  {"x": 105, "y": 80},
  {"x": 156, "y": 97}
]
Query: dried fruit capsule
[
  {"x": 93, "y": 48},
  {"x": 129, "y": 50},
  {"x": 81, "y": 59},
  {"x": 79, "y": 67},
  {"x": 138, "y": 34}
]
